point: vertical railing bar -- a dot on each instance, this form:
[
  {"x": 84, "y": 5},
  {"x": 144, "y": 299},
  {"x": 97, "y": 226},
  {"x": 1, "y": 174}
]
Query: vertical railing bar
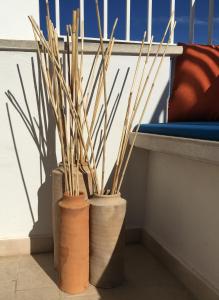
[
  {"x": 210, "y": 21},
  {"x": 128, "y": 14},
  {"x": 82, "y": 18},
  {"x": 191, "y": 21},
  {"x": 172, "y": 13},
  {"x": 105, "y": 19},
  {"x": 57, "y": 16},
  {"x": 149, "y": 23}
]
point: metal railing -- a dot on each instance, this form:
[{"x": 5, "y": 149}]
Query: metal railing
[
  {"x": 148, "y": 16},
  {"x": 192, "y": 20}
]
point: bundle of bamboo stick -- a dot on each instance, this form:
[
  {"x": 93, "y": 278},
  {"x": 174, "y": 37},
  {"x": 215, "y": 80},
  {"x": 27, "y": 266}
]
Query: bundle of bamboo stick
[
  {"x": 66, "y": 97},
  {"x": 69, "y": 99},
  {"x": 132, "y": 108}
]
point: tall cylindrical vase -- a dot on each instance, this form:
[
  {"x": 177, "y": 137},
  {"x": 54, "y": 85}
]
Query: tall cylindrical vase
[
  {"x": 107, "y": 240},
  {"x": 85, "y": 183},
  {"x": 74, "y": 244}
]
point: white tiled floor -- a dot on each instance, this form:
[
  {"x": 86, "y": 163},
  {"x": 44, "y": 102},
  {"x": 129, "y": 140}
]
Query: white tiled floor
[{"x": 34, "y": 278}]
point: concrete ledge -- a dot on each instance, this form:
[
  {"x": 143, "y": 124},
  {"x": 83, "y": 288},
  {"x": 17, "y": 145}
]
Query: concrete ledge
[
  {"x": 201, "y": 150},
  {"x": 199, "y": 287},
  {"x": 90, "y": 47}
]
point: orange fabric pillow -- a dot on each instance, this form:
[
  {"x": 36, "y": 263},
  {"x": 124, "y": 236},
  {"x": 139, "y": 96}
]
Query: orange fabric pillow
[{"x": 195, "y": 95}]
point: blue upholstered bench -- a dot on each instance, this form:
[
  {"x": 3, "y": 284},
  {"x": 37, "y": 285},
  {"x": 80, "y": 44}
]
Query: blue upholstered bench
[{"x": 194, "y": 130}]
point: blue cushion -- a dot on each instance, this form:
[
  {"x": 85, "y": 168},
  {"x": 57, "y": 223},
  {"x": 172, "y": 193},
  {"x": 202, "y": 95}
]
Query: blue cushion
[{"x": 194, "y": 130}]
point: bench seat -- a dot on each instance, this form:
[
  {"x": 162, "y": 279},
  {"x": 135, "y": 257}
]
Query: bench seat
[{"x": 193, "y": 130}]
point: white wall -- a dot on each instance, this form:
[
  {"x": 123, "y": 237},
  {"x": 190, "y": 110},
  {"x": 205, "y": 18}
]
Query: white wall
[
  {"x": 135, "y": 188},
  {"x": 181, "y": 211},
  {"x": 21, "y": 182},
  {"x": 14, "y": 23}
]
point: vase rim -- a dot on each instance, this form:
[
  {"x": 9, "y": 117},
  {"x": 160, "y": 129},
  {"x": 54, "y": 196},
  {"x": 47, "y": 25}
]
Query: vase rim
[
  {"x": 81, "y": 194},
  {"x": 107, "y": 196}
]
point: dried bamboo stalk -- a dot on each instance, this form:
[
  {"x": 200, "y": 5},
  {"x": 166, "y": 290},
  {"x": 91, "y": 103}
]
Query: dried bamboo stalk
[
  {"x": 101, "y": 84},
  {"x": 144, "y": 109},
  {"x": 124, "y": 140},
  {"x": 101, "y": 80},
  {"x": 139, "y": 98},
  {"x": 127, "y": 115},
  {"x": 47, "y": 81},
  {"x": 105, "y": 98}
]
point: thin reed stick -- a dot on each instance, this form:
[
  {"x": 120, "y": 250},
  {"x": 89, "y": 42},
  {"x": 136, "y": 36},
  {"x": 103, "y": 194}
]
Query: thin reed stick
[
  {"x": 138, "y": 100},
  {"x": 127, "y": 126},
  {"x": 101, "y": 80},
  {"x": 143, "y": 111},
  {"x": 105, "y": 98},
  {"x": 101, "y": 85},
  {"x": 127, "y": 115}
]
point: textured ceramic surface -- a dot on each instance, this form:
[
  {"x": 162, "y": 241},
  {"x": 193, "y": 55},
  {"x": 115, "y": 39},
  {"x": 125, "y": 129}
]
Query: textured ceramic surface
[
  {"x": 74, "y": 244},
  {"x": 107, "y": 240},
  {"x": 85, "y": 183}
]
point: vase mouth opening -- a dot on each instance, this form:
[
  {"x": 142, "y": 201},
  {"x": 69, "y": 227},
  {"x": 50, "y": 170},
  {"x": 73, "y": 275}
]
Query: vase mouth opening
[
  {"x": 107, "y": 195},
  {"x": 81, "y": 194}
]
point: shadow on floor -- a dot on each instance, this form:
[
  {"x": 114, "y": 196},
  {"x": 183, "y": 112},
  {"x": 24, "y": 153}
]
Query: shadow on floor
[{"x": 145, "y": 278}]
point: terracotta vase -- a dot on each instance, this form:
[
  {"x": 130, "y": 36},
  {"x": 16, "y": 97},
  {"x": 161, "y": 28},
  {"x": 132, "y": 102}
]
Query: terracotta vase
[
  {"x": 107, "y": 240},
  {"x": 74, "y": 244},
  {"x": 85, "y": 183}
]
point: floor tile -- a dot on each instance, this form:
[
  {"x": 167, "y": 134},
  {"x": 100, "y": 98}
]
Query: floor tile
[
  {"x": 7, "y": 290},
  {"x": 8, "y": 268},
  {"x": 34, "y": 273},
  {"x": 34, "y": 278},
  {"x": 42, "y": 260},
  {"x": 38, "y": 294},
  {"x": 146, "y": 269},
  {"x": 146, "y": 293}
]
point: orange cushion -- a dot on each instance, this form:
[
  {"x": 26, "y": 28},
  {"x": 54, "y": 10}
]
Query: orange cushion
[{"x": 195, "y": 95}]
